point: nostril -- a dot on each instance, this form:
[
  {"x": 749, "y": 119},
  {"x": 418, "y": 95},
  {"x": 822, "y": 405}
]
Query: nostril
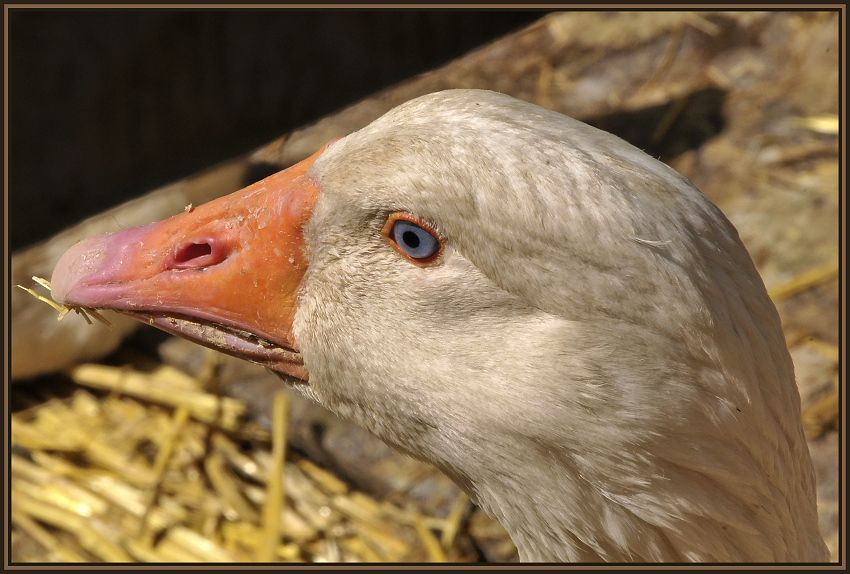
[
  {"x": 192, "y": 251},
  {"x": 196, "y": 254}
]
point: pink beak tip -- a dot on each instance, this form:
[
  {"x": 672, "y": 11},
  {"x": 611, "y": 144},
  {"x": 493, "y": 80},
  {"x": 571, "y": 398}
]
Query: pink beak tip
[{"x": 80, "y": 261}]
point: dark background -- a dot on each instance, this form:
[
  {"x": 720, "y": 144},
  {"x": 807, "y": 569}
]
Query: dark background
[{"x": 107, "y": 104}]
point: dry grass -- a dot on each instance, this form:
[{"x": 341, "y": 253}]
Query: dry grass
[
  {"x": 65, "y": 309},
  {"x": 158, "y": 470}
]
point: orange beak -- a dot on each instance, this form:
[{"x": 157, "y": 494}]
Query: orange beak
[{"x": 226, "y": 274}]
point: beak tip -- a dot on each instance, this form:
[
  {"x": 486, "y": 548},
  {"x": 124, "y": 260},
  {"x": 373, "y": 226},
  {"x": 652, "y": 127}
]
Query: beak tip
[{"x": 80, "y": 262}]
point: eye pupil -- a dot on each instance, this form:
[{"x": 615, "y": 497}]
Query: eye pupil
[{"x": 410, "y": 239}]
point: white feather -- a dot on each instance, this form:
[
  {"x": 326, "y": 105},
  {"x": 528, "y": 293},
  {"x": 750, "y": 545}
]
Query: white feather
[{"x": 602, "y": 399}]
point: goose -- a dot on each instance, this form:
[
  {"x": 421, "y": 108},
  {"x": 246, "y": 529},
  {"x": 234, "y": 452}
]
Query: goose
[{"x": 563, "y": 325}]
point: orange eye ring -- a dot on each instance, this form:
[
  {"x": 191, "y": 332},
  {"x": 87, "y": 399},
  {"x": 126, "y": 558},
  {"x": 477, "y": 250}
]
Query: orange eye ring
[{"x": 389, "y": 234}]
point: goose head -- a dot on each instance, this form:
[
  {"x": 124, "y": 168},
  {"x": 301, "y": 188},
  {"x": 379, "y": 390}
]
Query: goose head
[{"x": 562, "y": 324}]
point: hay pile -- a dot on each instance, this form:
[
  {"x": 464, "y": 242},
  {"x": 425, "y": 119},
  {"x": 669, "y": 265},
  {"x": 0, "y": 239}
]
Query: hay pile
[{"x": 150, "y": 467}]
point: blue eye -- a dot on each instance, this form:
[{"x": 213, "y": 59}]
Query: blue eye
[{"x": 414, "y": 241}]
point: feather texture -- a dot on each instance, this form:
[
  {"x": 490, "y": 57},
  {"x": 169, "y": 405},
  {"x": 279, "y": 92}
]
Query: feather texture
[{"x": 594, "y": 358}]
